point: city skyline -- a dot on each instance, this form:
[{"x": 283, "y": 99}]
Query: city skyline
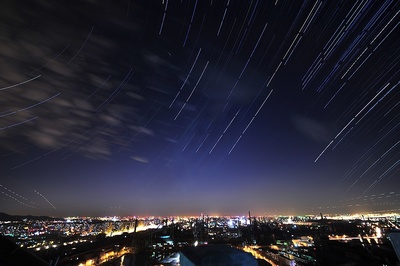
[{"x": 188, "y": 107}]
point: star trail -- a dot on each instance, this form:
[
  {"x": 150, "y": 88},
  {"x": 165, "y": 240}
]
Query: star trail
[{"x": 188, "y": 107}]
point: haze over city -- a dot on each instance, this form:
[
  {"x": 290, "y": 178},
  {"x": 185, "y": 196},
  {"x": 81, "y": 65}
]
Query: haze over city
[{"x": 189, "y": 107}]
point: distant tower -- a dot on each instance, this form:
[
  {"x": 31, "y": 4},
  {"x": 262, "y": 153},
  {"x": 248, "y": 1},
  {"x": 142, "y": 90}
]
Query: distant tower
[
  {"x": 136, "y": 224},
  {"x": 251, "y": 229},
  {"x": 249, "y": 218}
]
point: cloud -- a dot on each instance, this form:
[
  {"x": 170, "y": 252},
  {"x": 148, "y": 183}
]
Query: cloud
[
  {"x": 72, "y": 73},
  {"x": 312, "y": 129},
  {"x": 140, "y": 159}
]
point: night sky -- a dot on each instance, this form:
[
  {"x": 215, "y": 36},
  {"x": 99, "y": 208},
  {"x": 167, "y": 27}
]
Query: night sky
[{"x": 185, "y": 107}]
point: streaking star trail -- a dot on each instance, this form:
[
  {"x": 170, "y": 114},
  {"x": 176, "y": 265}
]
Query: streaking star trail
[{"x": 188, "y": 107}]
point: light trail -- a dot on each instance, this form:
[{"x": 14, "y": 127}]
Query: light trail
[
  {"x": 245, "y": 66},
  {"x": 162, "y": 22},
  {"x": 21, "y": 83},
  {"x": 247, "y": 27},
  {"x": 17, "y": 200},
  {"x": 201, "y": 144},
  {"x": 116, "y": 91},
  {"x": 83, "y": 45},
  {"x": 31, "y": 106},
  {"x": 224, "y": 131},
  {"x": 223, "y": 18},
  {"x": 52, "y": 59},
  {"x": 20, "y": 123},
  {"x": 251, "y": 121},
  {"x": 184, "y": 83},
  {"x": 188, "y": 98},
  {"x": 344, "y": 128},
  {"x": 326, "y": 105},
  {"x": 51, "y": 204},
  {"x": 184, "y": 148},
  {"x": 190, "y": 24},
  {"x": 87, "y": 98},
  {"x": 4, "y": 187},
  {"x": 298, "y": 33}
]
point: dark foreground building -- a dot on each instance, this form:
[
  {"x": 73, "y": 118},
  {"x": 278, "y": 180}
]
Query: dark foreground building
[{"x": 222, "y": 255}]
